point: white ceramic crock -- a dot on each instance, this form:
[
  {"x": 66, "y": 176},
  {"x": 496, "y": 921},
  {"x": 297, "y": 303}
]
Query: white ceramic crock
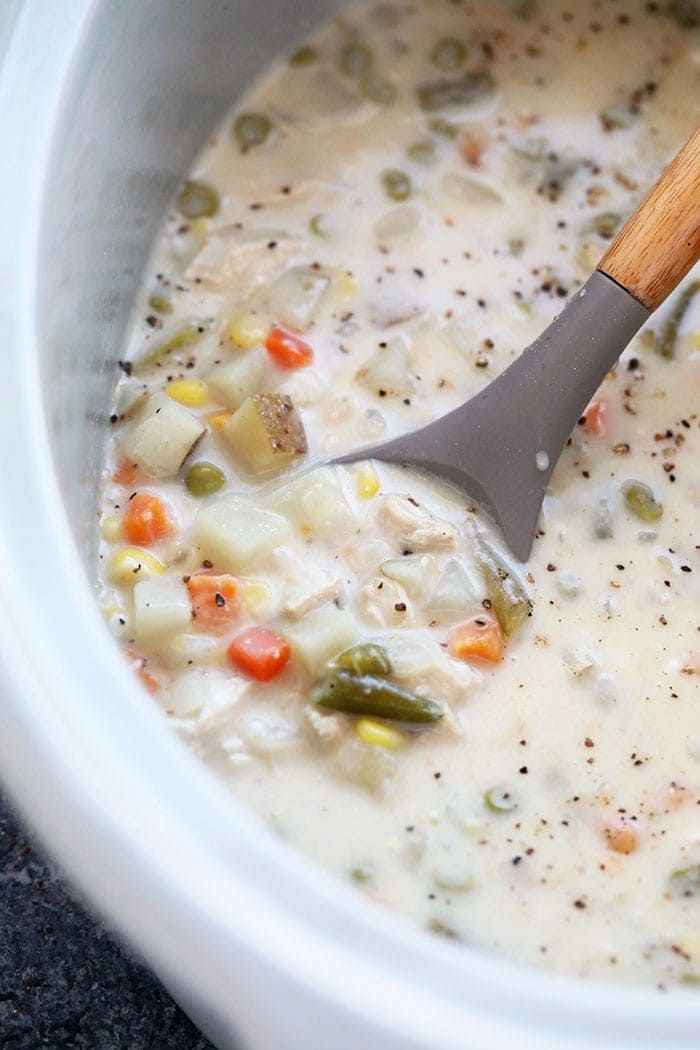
[{"x": 103, "y": 103}]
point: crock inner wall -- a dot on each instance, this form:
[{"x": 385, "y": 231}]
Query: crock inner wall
[{"x": 147, "y": 85}]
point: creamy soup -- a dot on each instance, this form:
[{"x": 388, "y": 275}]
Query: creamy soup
[{"x": 509, "y": 754}]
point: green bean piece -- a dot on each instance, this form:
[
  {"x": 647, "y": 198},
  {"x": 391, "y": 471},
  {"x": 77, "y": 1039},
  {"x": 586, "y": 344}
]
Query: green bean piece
[
  {"x": 197, "y": 200},
  {"x": 685, "y": 13},
  {"x": 318, "y": 224},
  {"x": 648, "y": 340},
  {"x": 367, "y": 658},
  {"x": 397, "y": 184},
  {"x": 605, "y": 224},
  {"x": 499, "y": 801},
  {"x": 367, "y": 695},
  {"x": 509, "y": 601},
  {"x": 204, "y": 479},
  {"x": 685, "y": 882},
  {"x": 378, "y": 89},
  {"x": 460, "y": 91},
  {"x": 185, "y": 337},
  {"x": 355, "y": 59},
  {"x": 251, "y": 129},
  {"x": 442, "y": 127},
  {"x": 448, "y": 54},
  {"x": 422, "y": 151},
  {"x": 161, "y": 304},
  {"x": 669, "y": 333},
  {"x": 303, "y": 56},
  {"x": 640, "y": 500}
]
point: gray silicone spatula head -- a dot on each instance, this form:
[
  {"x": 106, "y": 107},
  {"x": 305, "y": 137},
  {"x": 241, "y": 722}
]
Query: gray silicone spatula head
[{"x": 502, "y": 446}]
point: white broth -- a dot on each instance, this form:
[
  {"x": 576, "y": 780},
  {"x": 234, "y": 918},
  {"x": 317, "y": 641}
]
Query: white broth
[{"x": 508, "y": 754}]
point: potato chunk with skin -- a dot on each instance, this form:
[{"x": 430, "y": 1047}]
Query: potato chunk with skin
[
  {"x": 235, "y": 536},
  {"x": 236, "y": 380},
  {"x": 266, "y": 433},
  {"x": 161, "y": 437}
]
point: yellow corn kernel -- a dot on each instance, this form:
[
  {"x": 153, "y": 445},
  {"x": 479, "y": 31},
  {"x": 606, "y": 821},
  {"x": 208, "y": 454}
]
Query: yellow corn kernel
[
  {"x": 258, "y": 599},
  {"x": 109, "y": 606},
  {"x": 245, "y": 330},
  {"x": 132, "y": 564},
  {"x": 306, "y": 530},
  {"x": 218, "y": 420},
  {"x": 376, "y": 734},
  {"x": 111, "y": 528},
  {"x": 191, "y": 392},
  {"x": 200, "y": 226},
  {"x": 696, "y": 340},
  {"x": 345, "y": 284},
  {"x": 366, "y": 481}
]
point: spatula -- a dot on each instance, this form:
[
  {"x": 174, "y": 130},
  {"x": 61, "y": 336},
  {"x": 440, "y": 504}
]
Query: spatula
[{"x": 502, "y": 445}]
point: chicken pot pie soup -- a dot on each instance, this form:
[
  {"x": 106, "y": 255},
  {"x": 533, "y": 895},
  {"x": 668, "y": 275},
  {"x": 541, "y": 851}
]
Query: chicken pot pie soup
[{"x": 509, "y": 754}]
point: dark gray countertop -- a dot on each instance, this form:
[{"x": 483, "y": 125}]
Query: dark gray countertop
[{"x": 64, "y": 980}]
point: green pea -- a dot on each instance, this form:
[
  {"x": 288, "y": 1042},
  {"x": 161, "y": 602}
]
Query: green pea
[
  {"x": 397, "y": 185},
  {"x": 448, "y": 54},
  {"x": 197, "y": 200},
  {"x": 422, "y": 151},
  {"x": 378, "y": 89},
  {"x": 355, "y": 59},
  {"x": 499, "y": 801},
  {"x": 251, "y": 129},
  {"x": 685, "y": 13},
  {"x": 526, "y": 10},
  {"x": 685, "y": 882},
  {"x": 203, "y": 479},
  {"x": 318, "y": 224},
  {"x": 640, "y": 500},
  {"x": 362, "y": 873},
  {"x": 161, "y": 304},
  {"x": 605, "y": 224},
  {"x": 442, "y": 127},
  {"x": 303, "y": 56}
]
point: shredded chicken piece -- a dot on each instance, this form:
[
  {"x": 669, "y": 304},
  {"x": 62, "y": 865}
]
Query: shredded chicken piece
[
  {"x": 310, "y": 589},
  {"x": 241, "y": 262},
  {"x": 328, "y": 728},
  {"x": 385, "y": 603},
  {"x": 414, "y": 525}
]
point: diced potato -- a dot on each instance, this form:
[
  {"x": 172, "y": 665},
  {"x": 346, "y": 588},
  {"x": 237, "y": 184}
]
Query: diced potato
[
  {"x": 294, "y": 298},
  {"x": 129, "y": 397},
  {"x": 387, "y": 371},
  {"x": 259, "y": 599},
  {"x": 236, "y": 380},
  {"x": 415, "y": 573},
  {"x": 266, "y": 433},
  {"x": 161, "y": 609},
  {"x": 315, "y": 502},
  {"x": 197, "y": 690},
  {"x": 320, "y": 636},
  {"x": 234, "y": 536},
  {"x": 161, "y": 436},
  {"x": 454, "y": 594},
  {"x": 187, "y": 649}
]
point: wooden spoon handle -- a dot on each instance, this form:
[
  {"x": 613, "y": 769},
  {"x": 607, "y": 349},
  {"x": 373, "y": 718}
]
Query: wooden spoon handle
[{"x": 660, "y": 242}]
